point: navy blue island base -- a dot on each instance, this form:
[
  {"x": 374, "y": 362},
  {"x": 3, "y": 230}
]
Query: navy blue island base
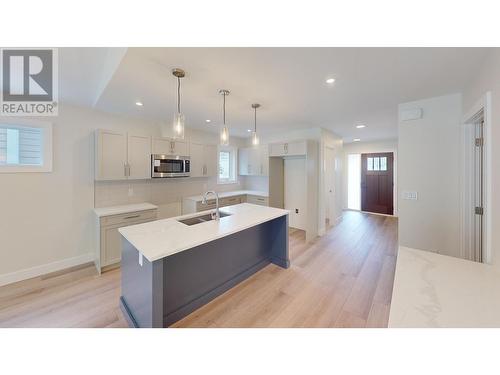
[{"x": 159, "y": 293}]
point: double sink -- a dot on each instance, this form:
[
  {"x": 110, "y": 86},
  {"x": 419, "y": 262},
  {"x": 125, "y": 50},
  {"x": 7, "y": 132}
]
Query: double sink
[{"x": 201, "y": 219}]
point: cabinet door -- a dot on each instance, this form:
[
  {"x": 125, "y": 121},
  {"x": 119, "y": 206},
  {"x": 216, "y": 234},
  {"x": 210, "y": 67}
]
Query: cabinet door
[
  {"x": 277, "y": 149},
  {"x": 244, "y": 161},
  {"x": 210, "y": 152},
  {"x": 264, "y": 160},
  {"x": 111, "y": 158},
  {"x": 254, "y": 162},
  {"x": 139, "y": 156},
  {"x": 197, "y": 160},
  {"x": 180, "y": 148},
  {"x": 111, "y": 246},
  {"x": 296, "y": 148},
  {"x": 163, "y": 146}
]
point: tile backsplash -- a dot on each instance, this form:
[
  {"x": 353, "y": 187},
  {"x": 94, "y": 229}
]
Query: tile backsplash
[{"x": 158, "y": 191}]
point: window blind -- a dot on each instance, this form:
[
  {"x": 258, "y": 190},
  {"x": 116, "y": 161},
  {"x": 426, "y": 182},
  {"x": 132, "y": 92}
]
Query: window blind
[{"x": 21, "y": 145}]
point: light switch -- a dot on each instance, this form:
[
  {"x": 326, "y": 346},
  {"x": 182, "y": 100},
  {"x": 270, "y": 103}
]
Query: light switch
[{"x": 410, "y": 195}]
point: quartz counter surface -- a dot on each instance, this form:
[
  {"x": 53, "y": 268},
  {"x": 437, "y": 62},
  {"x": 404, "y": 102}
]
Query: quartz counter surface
[
  {"x": 161, "y": 238},
  {"x": 433, "y": 290}
]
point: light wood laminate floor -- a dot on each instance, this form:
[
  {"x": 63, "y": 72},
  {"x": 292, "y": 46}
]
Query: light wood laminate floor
[{"x": 343, "y": 279}]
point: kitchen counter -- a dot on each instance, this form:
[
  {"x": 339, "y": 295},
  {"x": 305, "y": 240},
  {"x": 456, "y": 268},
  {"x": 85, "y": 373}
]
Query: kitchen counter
[
  {"x": 433, "y": 290},
  {"x": 125, "y": 209},
  {"x": 199, "y": 198},
  {"x": 170, "y": 269},
  {"x": 162, "y": 238}
]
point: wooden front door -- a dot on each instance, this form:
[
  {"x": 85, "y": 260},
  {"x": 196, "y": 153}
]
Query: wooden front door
[{"x": 377, "y": 183}]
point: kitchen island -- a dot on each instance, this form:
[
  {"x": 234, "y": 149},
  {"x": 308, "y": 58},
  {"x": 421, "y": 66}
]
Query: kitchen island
[{"x": 172, "y": 267}]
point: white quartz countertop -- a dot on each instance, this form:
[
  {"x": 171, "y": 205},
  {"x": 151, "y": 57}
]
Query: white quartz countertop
[
  {"x": 117, "y": 210},
  {"x": 199, "y": 198},
  {"x": 433, "y": 290},
  {"x": 161, "y": 238}
]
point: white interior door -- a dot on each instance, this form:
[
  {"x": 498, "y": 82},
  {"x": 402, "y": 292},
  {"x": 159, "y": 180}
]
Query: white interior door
[
  {"x": 295, "y": 191},
  {"x": 330, "y": 184}
]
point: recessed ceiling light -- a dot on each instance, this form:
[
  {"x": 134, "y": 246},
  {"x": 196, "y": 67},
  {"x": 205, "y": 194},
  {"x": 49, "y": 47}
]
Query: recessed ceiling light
[
  {"x": 208, "y": 121},
  {"x": 249, "y": 130},
  {"x": 360, "y": 126},
  {"x": 356, "y": 139},
  {"x": 330, "y": 80},
  {"x": 139, "y": 104}
]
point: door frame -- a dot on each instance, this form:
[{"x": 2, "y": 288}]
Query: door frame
[
  {"x": 466, "y": 190},
  {"x": 392, "y": 170},
  {"x": 333, "y": 205}
]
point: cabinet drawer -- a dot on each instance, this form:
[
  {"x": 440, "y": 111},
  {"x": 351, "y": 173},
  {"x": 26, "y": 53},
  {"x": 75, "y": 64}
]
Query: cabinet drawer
[
  {"x": 130, "y": 217},
  {"x": 255, "y": 199},
  {"x": 204, "y": 207},
  {"x": 230, "y": 201}
]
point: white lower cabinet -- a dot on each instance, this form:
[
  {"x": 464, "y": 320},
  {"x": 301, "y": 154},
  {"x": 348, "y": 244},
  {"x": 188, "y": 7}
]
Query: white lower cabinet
[
  {"x": 256, "y": 199},
  {"x": 109, "y": 240},
  {"x": 190, "y": 206}
]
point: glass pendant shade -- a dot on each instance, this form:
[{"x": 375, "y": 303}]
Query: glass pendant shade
[
  {"x": 178, "y": 126},
  {"x": 255, "y": 139},
  {"x": 224, "y": 136}
]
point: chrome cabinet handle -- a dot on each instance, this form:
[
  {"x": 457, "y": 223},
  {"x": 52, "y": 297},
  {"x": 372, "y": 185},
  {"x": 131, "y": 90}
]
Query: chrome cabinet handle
[
  {"x": 286, "y": 148},
  {"x": 125, "y": 169}
]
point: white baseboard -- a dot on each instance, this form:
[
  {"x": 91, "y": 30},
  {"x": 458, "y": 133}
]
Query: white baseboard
[{"x": 28, "y": 273}]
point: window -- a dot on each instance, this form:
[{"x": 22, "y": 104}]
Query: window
[
  {"x": 227, "y": 165},
  {"x": 25, "y": 147},
  {"x": 376, "y": 164}
]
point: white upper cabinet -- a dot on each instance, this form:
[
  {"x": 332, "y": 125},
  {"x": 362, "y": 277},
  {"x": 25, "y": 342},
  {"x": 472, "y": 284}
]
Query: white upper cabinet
[
  {"x": 139, "y": 156},
  {"x": 288, "y": 148},
  {"x": 210, "y": 155},
  {"x": 167, "y": 146},
  {"x": 111, "y": 155},
  {"x": 121, "y": 156},
  {"x": 203, "y": 160},
  {"x": 253, "y": 161}
]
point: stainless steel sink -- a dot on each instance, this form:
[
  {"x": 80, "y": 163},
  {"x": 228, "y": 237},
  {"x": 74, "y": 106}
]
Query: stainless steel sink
[{"x": 201, "y": 219}]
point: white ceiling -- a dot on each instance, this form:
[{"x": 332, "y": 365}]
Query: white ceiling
[{"x": 288, "y": 82}]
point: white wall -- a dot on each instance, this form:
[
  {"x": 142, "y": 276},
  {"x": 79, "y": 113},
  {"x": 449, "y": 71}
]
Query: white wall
[
  {"x": 428, "y": 152},
  {"x": 331, "y": 140},
  {"x": 325, "y": 138},
  {"x": 46, "y": 220},
  {"x": 388, "y": 145},
  {"x": 488, "y": 79}
]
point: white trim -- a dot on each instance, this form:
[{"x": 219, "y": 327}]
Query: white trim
[
  {"x": 47, "y": 146},
  {"x": 233, "y": 165},
  {"x": 28, "y": 273},
  {"x": 484, "y": 103}
]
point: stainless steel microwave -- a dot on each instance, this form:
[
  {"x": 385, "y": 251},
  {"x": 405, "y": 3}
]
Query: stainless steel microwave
[{"x": 167, "y": 166}]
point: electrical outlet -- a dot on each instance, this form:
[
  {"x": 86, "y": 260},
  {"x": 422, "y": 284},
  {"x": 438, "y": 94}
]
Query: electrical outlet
[{"x": 296, "y": 210}]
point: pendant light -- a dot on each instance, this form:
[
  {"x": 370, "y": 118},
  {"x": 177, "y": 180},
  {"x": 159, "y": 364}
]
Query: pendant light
[
  {"x": 255, "y": 138},
  {"x": 224, "y": 132},
  {"x": 179, "y": 119}
]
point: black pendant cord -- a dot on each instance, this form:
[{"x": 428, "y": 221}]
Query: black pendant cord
[{"x": 178, "y": 95}]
